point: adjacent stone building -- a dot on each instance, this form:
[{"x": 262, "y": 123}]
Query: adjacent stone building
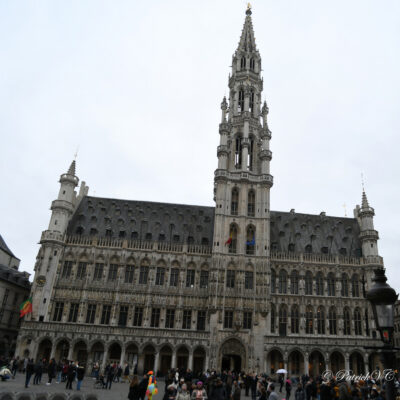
[
  {"x": 234, "y": 286},
  {"x": 14, "y": 289}
]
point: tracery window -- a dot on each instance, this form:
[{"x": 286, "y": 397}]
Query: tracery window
[
  {"x": 295, "y": 319},
  {"x": 282, "y": 281},
  {"x": 331, "y": 284},
  {"x": 355, "y": 289},
  {"x": 345, "y": 286},
  {"x": 251, "y": 203},
  {"x": 357, "y": 322},
  {"x": 320, "y": 320},
  {"x": 308, "y": 283},
  {"x": 332, "y": 321},
  {"x": 294, "y": 282},
  {"x": 319, "y": 284},
  {"x": 282, "y": 320},
  {"x": 309, "y": 320},
  {"x": 273, "y": 281},
  {"x": 346, "y": 322},
  {"x": 235, "y": 201}
]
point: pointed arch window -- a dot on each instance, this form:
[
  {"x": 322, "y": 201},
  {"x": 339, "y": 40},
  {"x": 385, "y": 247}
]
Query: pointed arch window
[
  {"x": 238, "y": 152},
  {"x": 282, "y": 320},
  {"x": 346, "y": 322},
  {"x": 251, "y": 203},
  {"x": 319, "y": 284},
  {"x": 251, "y": 101},
  {"x": 331, "y": 284},
  {"x": 357, "y": 322},
  {"x": 321, "y": 320},
  {"x": 282, "y": 281},
  {"x": 243, "y": 63},
  {"x": 355, "y": 289},
  {"x": 250, "y": 157},
  {"x": 252, "y": 64},
  {"x": 309, "y": 283},
  {"x": 294, "y": 282},
  {"x": 332, "y": 321},
  {"x": 273, "y": 318},
  {"x": 309, "y": 320},
  {"x": 345, "y": 286},
  {"x": 235, "y": 201},
  {"x": 273, "y": 280},
  {"x": 232, "y": 239},
  {"x": 251, "y": 240},
  {"x": 241, "y": 101},
  {"x": 294, "y": 319}
]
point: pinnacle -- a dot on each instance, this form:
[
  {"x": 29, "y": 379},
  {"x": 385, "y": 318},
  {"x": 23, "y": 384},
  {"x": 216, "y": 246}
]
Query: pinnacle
[
  {"x": 72, "y": 168},
  {"x": 364, "y": 202},
  {"x": 247, "y": 41}
]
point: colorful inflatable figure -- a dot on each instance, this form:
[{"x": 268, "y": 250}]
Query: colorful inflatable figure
[{"x": 152, "y": 386}]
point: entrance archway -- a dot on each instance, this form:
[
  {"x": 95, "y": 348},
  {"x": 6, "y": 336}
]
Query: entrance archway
[
  {"x": 80, "y": 353},
  {"x": 44, "y": 349},
  {"x": 165, "y": 359},
  {"x": 131, "y": 356},
  {"x": 62, "y": 350},
  {"x": 275, "y": 361},
  {"x": 149, "y": 357},
  {"x": 357, "y": 363},
  {"x": 232, "y": 356},
  {"x": 97, "y": 352},
  {"x": 199, "y": 358},
  {"x": 374, "y": 362},
  {"x": 296, "y": 363},
  {"x": 182, "y": 358},
  {"x": 316, "y": 364},
  {"x": 337, "y": 362},
  {"x": 114, "y": 353}
]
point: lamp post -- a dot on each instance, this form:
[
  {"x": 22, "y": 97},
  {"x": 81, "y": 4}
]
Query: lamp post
[{"x": 382, "y": 298}]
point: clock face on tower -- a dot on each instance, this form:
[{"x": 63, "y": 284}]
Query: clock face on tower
[{"x": 41, "y": 280}]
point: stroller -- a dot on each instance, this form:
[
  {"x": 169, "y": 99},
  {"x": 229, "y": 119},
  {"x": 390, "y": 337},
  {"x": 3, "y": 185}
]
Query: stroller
[{"x": 99, "y": 383}]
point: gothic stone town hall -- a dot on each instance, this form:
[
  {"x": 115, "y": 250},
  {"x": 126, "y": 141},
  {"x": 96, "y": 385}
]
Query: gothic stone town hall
[{"x": 235, "y": 286}]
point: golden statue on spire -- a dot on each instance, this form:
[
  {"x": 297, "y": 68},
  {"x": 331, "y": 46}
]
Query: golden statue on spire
[{"x": 248, "y": 6}]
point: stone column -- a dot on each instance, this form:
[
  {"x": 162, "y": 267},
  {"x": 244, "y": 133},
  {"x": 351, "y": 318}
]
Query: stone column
[
  {"x": 104, "y": 361},
  {"x": 122, "y": 359},
  {"x": 156, "y": 362},
  {"x": 173, "y": 361},
  {"x": 306, "y": 363},
  {"x": 53, "y": 350},
  {"x": 207, "y": 362},
  {"x": 347, "y": 361},
  {"x": 190, "y": 362},
  {"x": 366, "y": 364}
]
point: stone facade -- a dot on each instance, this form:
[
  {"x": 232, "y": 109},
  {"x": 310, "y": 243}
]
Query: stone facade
[
  {"x": 14, "y": 289},
  {"x": 235, "y": 286}
]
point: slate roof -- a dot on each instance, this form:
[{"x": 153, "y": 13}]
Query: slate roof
[
  {"x": 144, "y": 220},
  {"x": 14, "y": 276},
  {"x": 5, "y": 248}
]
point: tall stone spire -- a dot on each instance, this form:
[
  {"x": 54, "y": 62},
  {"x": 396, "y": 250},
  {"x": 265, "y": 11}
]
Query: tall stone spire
[
  {"x": 72, "y": 168},
  {"x": 247, "y": 41}
]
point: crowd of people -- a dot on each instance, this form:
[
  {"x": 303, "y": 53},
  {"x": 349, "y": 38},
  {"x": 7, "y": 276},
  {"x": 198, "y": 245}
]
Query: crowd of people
[{"x": 209, "y": 385}]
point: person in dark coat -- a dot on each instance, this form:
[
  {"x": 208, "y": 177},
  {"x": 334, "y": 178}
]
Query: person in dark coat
[
  {"x": 299, "y": 393},
  {"x": 80, "y": 373},
  {"x": 70, "y": 375},
  {"x": 247, "y": 383},
  {"x": 143, "y": 387},
  {"x": 218, "y": 392},
  {"x": 110, "y": 374},
  {"x": 134, "y": 390},
  {"x": 30, "y": 368},
  {"x": 51, "y": 370},
  {"x": 236, "y": 391},
  {"x": 253, "y": 386},
  {"x": 38, "y": 372}
]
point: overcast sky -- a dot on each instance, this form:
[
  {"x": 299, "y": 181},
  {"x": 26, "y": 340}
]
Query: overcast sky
[{"x": 138, "y": 86}]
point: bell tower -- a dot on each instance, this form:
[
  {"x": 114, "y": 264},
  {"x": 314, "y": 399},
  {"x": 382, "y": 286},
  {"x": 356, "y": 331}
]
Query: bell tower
[
  {"x": 242, "y": 180},
  {"x": 239, "y": 294}
]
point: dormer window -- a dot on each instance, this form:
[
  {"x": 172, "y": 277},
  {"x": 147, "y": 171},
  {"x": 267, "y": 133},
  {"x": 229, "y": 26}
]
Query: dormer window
[
  {"x": 252, "y": 64},
  {"x": 243, "y": 63}
]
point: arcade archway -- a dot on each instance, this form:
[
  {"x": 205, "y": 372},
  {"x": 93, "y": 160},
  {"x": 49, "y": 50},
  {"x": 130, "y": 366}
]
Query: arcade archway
[{"x": 232, "y": 356}]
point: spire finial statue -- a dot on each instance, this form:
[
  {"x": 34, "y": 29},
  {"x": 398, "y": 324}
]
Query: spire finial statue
[{"x": 248, "y": 11}]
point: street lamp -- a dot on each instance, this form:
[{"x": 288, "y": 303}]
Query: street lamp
[{"x": 382, "y": 298}]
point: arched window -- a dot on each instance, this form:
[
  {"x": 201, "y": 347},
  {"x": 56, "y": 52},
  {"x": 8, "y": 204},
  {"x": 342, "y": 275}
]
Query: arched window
[
  {"x": 273, "y": 318},
  {"x": 251, "y": 203},
  {"x": 250, "y": 155},
  {"x": 294, "y": 316},
  {"x": 294, "y": 282},
  {"x": 251, "y": 240},
  {"x": 282, "y": 320},
  {"x": 252, "y": 64},
  {"x": 357, "y": 322},
  {"x": 319, "y": 284},
  {"x": 238, "y": 152},
  {"x": 232, "y": 241},
  {"x": 346, "y": 322},
  {"x": 282, "y": 281},
  {"x": 251, "y": 101},
  {"x": 273, "y": 281},
  {"x": 309, "y": 283},
  {"x": 241, "y": 101},
  {"x": 355, "y": 290},
  {"x": 331, "y": 284},
  {"x": 309, "y": 320},
  {"x": 345, "y": 286},
  {"x": 308, "y": 248},
  {"x": 366, "y": 322},
  {"x": 243, "y": 62},
  {"x": 320, "y": 320},
  {"x": 235, "y": 201},
  {"x": 332, "y": 321}
]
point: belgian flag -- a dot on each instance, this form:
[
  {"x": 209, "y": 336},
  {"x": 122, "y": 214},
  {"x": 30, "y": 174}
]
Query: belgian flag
[{"x": 25, "y": 307}]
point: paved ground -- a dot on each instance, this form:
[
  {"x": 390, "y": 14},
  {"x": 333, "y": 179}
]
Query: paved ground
[{"x": 41, "y": 392}]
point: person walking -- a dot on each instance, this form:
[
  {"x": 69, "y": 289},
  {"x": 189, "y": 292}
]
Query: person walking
[
  {"x": 29, "y": 369},
  {"x": 70, "y": 375},
  {"x": 253, "y": 386},
  {"x": 126, "y": 373},
  {"x": 235, "y": 391},
  {"x": 38, "y": 372},
  {"x": 80, "y": 373},
  {"x": 218, "y": 391},
  {"x": 288, "y": 387},
  {"x": 184, "y": 394},
  {"x": 299, "y": 393},
  {"x": 134, "y": 389},
  {"x": 273, "y": 395},
  {"x": 143, "y": 387},
  {"x": 51, "y": 370},
  {"x": 14, "y": 367},
  {"x": 199, "y": 393},
  {"x": 110, "y": 374}
]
